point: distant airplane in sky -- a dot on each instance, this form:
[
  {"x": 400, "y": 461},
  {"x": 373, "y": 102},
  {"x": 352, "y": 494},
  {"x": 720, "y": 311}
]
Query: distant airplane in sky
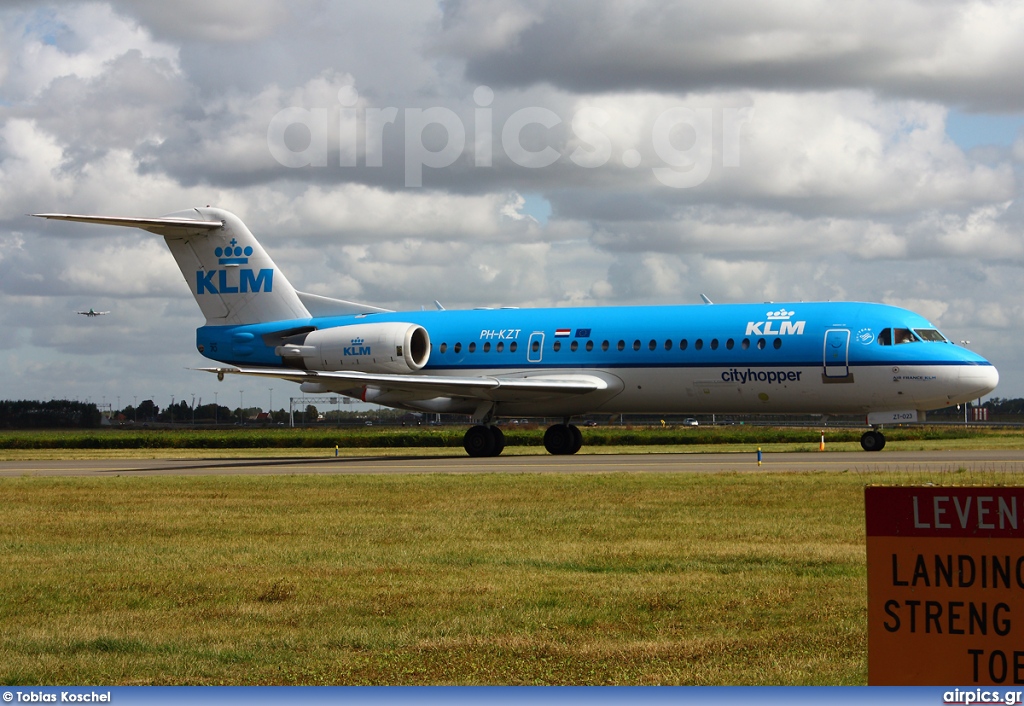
[
  {"x": 827, "y": 358},
  {"x": 93, "y": 313}
]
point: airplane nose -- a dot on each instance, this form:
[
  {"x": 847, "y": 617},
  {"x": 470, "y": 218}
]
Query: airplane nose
[{"x": 977, "y": 380}]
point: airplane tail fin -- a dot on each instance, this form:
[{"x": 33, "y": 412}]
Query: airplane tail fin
[{"x": 231, "y": 276}]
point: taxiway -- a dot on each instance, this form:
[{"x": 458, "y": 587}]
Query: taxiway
[{"x": 1000, "y": 461}]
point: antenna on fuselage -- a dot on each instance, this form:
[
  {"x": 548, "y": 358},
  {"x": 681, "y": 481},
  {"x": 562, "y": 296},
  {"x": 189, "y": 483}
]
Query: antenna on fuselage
[{"x": 705, "y": 298}]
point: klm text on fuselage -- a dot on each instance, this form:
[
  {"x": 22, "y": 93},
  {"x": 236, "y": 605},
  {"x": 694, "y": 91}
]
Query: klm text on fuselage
[{"x": 764, "y": 328}]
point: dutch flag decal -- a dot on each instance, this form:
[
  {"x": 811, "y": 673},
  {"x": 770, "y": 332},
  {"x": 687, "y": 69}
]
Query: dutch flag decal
[{"x": 562, "y": 332}]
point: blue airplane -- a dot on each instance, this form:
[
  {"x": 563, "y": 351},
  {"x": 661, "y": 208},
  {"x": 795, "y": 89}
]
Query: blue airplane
[{"x": 827, "y": 358}]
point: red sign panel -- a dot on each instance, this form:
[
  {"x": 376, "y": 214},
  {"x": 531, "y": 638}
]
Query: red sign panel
[{"x": 945, "y": 585}]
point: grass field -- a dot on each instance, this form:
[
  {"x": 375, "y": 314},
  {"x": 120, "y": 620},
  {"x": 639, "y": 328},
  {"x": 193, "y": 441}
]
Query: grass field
[
  {"x": 436, "y": 579},
  {"x": 440, "y": 579}
]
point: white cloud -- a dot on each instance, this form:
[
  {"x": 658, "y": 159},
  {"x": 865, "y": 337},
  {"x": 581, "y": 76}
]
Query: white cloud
[
  {"x": 78, "y": 40},
  {"x": 486, "y": 26},
  {"x": 213, "y": 20}
]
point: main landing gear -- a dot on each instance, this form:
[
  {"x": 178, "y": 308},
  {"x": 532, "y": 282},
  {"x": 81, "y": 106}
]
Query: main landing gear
[
  {"x": 563, "y": 439},
  {"x": 872, "y": 441},
  {"x": 483, "y": 440},
  {"x": 487, "y": 440}
]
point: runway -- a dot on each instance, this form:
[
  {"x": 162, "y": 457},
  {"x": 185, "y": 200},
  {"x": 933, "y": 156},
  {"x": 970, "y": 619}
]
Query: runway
[{"x": 1001, "y": 461}]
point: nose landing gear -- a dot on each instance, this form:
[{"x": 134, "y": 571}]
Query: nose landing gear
[{"x": 872, "y": 440}]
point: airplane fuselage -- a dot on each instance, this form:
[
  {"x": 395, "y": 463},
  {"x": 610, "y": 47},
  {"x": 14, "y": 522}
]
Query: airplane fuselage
[{"x": 832, "y": 358}]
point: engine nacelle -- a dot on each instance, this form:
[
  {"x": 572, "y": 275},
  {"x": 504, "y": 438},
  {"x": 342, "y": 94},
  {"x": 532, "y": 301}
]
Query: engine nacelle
[{"x": 369, "y": 348}]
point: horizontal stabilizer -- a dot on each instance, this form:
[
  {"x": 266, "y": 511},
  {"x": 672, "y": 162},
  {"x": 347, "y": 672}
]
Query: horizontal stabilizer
[{"x": 160, "y": 226}]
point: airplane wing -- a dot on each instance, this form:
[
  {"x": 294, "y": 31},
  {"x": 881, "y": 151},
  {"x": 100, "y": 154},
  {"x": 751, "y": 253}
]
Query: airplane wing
[{"x": 485, "y": 388}]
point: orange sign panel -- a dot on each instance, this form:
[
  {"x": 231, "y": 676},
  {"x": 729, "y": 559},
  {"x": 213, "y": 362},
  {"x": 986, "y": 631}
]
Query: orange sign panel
[{"x": 945, "y": 585}]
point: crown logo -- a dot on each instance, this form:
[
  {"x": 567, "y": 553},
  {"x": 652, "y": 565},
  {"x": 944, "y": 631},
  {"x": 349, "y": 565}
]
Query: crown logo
[
  {"x": 357, "y": 341},
  {"x": 233, "y": 254},
  {"x": 780, "y": 315}
]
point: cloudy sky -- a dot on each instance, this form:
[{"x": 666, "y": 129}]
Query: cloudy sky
[{"x": 503, "y": 152}]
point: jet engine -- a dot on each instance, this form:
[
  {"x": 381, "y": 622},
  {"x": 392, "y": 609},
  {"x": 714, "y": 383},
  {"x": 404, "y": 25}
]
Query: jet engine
[{"x": 369, "y": 348}]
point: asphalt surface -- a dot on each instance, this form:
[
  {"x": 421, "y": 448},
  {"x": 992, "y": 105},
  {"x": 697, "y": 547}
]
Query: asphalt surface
[{"x": 1003, "y": 461}]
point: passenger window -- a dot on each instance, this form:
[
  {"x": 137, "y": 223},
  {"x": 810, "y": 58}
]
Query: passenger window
[
  {"x": 652, "y": 345},
  {"x": 512, "y": 347},
  {"x": 682, "y": 345},
  {"x": 535, "y": 346},
  {"x": 472, "y": 347},
  {"x": 500, "y": 347},
  {"x": 777, "y": 343},
  {"x": 604, "y": 345},
  {"x": 444, "y": 347},
  {"x": 729, "y": 344},
  {"x": 622, "y": 345},
  {"x": 487, "y": 347},
  {"x": 458, "y": 347},
  {"x": 698, "y": 344},
  {"x": 746, "y": 344},
  {"x": 714, "y": 344},
  {"x": 590, "y": 346},
  {"x": 668, "y": 345},
  {"x": 574, "y": 346},
  {"x": 636, "y": 345},
  {"x": 761, "y": 344},
  {"x": 557, "y": 346}
]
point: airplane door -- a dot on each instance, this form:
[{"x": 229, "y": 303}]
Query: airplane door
[
  {"x": 837, "y": 353},
  {"x": 535, "y": 348}
]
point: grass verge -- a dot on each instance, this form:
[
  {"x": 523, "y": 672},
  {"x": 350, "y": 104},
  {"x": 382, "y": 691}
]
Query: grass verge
[
  {"x": 78, "y": 454},
  {"x": 451, "y": 437}
]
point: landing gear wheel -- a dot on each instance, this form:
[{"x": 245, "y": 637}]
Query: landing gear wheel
[
  {"x": 499, "y": 440},
  {"x": 479, "y": 441},
  {"x": 872, "y": 441},
  {"x": 577, "y": 438},
  {"x": 562, "y": 439}
]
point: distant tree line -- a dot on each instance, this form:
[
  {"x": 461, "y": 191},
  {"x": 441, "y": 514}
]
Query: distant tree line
[
  {"x": 998, "y": 408},
  {"x": 54, "y": 414}
]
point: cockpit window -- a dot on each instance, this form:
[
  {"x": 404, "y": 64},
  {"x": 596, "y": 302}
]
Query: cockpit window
[
  {"x": 902, "y": 335},
  {"x": 930, "y": 335},
  {"x": 896, "y": 336}
]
